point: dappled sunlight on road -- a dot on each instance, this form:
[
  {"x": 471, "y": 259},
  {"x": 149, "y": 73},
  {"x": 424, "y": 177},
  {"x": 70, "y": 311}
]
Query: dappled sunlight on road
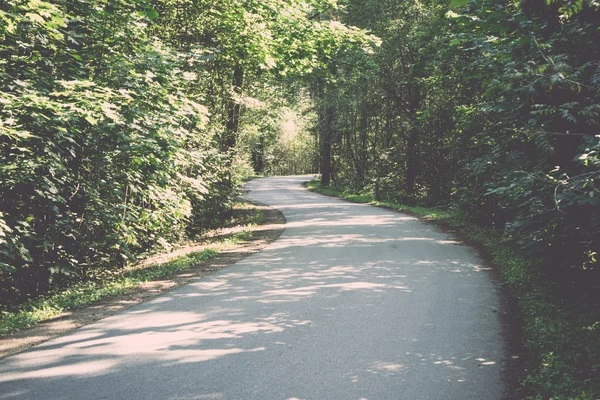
[
  {"x": 351, "y": 296},
  {"x": 453, "y": 369},
  {"x": 346, "y": 221},
  {"x": 165, "y": 336},
  {"x": 194, "y": 356},
  {"x": 88, "y": 368},
  {"x": 382, "y": 367}
]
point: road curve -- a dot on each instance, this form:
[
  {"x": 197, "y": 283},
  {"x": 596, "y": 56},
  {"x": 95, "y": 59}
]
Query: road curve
[{"x": 351, "y": 302}]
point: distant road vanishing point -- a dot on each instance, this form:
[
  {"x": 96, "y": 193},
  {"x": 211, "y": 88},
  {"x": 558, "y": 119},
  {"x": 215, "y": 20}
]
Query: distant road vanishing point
[{"x": 352, "y": 302}]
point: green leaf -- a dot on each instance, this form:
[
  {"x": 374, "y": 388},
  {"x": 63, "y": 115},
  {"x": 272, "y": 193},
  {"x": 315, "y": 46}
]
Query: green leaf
[
  {"x": 151, "y": 13},
  {"x": 458, "y": 3},
  {"x": 35, "y": 18},
  {"x": 91, "y": 120}
]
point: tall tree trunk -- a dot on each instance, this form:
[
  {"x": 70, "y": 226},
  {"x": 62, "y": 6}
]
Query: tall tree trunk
[
  {"x": 258, "y": 156},
  {"x": 233, "y": 121},
  {"x": 325, "y": 147},
  {"x": 327, "y": 110},
  {"x": 412, "y": 161},
  {"x": 326, "y": 115}
]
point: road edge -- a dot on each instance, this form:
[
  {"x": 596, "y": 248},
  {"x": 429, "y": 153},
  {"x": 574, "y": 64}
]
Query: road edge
[
  {"x": 266, "y": 232},
  {"x": 513, "y": 370}
]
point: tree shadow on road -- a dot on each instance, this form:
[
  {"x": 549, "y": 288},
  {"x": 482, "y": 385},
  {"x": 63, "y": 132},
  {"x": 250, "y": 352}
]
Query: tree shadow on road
[{"x": 341, "y": 274}]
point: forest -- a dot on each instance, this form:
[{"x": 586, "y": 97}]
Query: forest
[{"x": 128, "y": 125}]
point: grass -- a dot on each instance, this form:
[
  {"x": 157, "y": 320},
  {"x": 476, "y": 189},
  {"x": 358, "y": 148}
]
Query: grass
[
  {"x": 83, "y": 294},
  {"x": 254, "y": 176},
  {"x": 561, "y": 336},
  {"x": 249, "y": 215}
]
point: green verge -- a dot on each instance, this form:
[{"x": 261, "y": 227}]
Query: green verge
[
  {"x": 562, "y": 340},
  {"x": 83, "y": 294},
  {"x": 251, "y": 177}
]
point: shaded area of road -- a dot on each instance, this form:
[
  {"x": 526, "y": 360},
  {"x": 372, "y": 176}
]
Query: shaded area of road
[{"x": 352, "y": 302}]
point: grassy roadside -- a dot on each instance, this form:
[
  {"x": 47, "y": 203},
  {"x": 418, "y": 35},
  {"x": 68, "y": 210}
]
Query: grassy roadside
[
  {"x": 83, "y": 294},
  {"x": 561, "y": 337}
]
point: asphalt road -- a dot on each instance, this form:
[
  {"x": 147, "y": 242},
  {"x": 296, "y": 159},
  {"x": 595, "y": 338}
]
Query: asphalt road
[{"x": 351, "y": 302}]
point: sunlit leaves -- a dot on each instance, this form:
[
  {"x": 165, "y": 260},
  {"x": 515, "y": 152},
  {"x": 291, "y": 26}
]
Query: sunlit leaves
[{"x": 105, "y": 147}]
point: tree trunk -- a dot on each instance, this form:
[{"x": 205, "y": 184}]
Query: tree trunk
[
  {"x": 325, "y": 140},
  {"x": 233, "y": 121},
  {"x": 412, "y": 161},
  {"x": 326, "y": 170},
  {"x": 258, "y": 156}
]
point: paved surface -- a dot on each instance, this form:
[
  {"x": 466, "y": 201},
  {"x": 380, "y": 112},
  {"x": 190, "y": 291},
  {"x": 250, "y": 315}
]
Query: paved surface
[{"x": 352, "y": 302}]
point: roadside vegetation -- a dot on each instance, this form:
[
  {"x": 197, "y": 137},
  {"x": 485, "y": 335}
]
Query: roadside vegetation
[
  {"x": 128, "y": 126},
  {"x": 81, "y": 294},
  {"x": 121, "y": 128}
]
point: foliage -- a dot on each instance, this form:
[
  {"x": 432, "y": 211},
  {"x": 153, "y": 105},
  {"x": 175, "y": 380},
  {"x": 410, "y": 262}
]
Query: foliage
[
  {"x": 86, "y": 293},
  {"x": 120, "y": 123},
  {"x": 127, "y": 125},
  {"x": 277, "y": 134},
  {"x": 109, "y": 283},
  {"x": 490, "y": 108},
  {"x": 104, "y": 154}
]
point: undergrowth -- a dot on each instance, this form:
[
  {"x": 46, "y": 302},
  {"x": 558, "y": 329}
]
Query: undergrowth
[
  {"x": 86, "y": 293},
  {"x": 561, "y": 336}
]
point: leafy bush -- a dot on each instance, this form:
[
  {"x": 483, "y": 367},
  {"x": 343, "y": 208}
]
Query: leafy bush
[{"x": 105, "y": 152}]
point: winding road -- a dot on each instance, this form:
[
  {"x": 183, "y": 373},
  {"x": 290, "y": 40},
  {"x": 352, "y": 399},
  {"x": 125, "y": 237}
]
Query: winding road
[{"x": 352, "y": 302}]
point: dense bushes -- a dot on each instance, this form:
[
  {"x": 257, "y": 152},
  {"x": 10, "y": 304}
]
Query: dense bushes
[
  {"x": 536, "y": 153},
  {"x": 105, "y": 152},
  {"x": 126, "y": 125},
  {"x": 490, "y": 107},
  {"x": 121, "y": 120}
]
